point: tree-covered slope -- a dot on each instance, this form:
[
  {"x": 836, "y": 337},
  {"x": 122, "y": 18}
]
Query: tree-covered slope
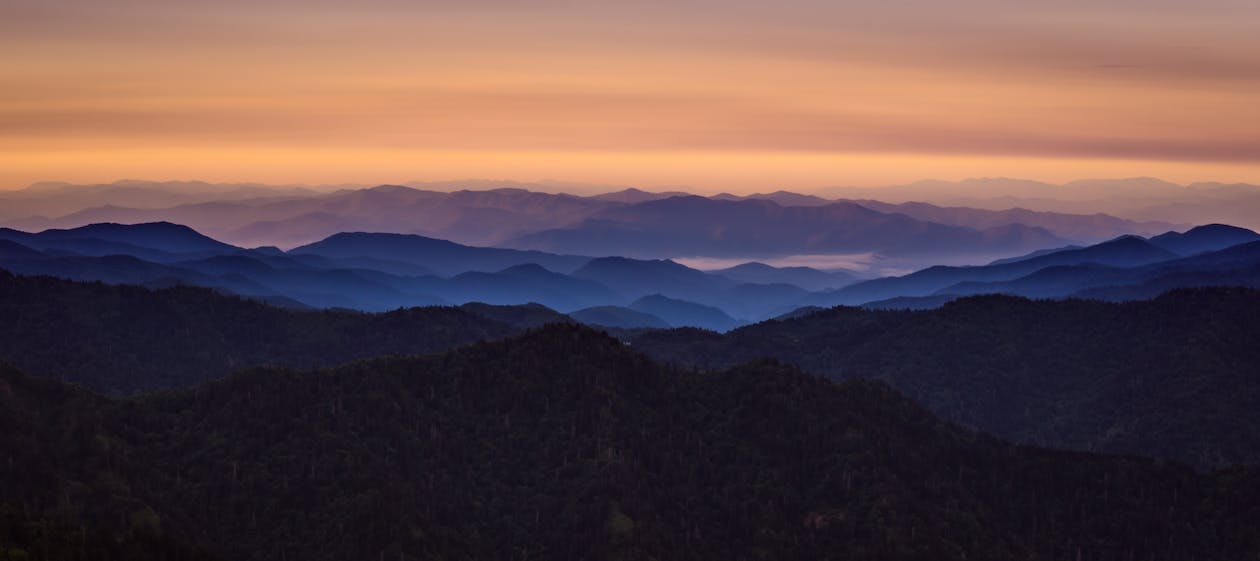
[
  {"x": 1176, "y": 377},
  {"x": 25, "y": 536},
  {"x": 565, "y": 444},
  {"x": 126, "y": 339}
]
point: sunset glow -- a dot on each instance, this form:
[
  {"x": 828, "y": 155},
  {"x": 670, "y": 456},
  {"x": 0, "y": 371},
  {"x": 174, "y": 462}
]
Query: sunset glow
[{"x": 713, "y": 95}]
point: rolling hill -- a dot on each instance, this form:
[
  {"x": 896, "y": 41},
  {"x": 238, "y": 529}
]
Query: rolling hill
[
  {"x": 1233, "y": 266},
  {"x": 1126, "y": 251},
  {"x": 1172, "y": 377},
  {"x": 444, "y": 257},
  {"x": 565, "y": 444},
  {"x": 127, "y": 339},
  {"x": 478, "y": 212},
  {"x": 681, "y": 312},
  {"x": 805, "y": 277}
]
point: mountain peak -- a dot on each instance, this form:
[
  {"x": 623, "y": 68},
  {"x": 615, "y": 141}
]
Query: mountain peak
[
  {"x": 1217, "y": 229},
  {"x": 683, "y": 312},
  {"x": 162, "y": 236},
  {"x": 12, "y": 250},
  {"x": 634, "y": 196},
  {"x": 1126, "y": 250},
  {"x": 377, "y": 237},
  {"x": 1208, "y": 237},
  {"x": 389, "y": 188},
  {"x": 627, "y": 263},
  {"x": 527, "y": 269},
  {"x": 750, "y": 267}
]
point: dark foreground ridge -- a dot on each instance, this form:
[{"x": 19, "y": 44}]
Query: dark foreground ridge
[
  {"x": 1175, "y": 377},
  {"x": 565, "y": 444},
  {"x": 122, "y": 339},
  {"x": 1172, "y": 378}
]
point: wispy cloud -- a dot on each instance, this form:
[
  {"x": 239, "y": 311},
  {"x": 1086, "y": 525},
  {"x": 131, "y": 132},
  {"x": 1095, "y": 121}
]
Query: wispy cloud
[{"x": 965, "y": 88}]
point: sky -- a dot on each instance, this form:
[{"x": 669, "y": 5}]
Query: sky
[{"x": 718, "y": 96}]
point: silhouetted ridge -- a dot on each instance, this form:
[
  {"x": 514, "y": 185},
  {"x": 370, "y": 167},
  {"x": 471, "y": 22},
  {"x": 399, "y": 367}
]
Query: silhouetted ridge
[
  {"x": 1172, "y": 378},
  {"x": 526, "y": 269},
  {"x": 804, "y": 277},
  {"x": 618, "y": 317},
  {"x": 1233, "y": 266},
  {"x": 529, "y": 283},
  {"x": 445, "y": 257},
  {"x": 699, "y": 226},
  {"x": 634, "y": 278},
  {"x": 13, "y": 250},
  {"x": 129, "y": 339},
  {"x": 521, "y": 316},
  {"x": 162, "y": 236},
  {"x": 1125, "y": 251},
  {"x": 1200, "y": 239},
  {"x": 564, "y": 444},
  {"x": 160, "y": 242},
  {"x": 682, "y": 312}
]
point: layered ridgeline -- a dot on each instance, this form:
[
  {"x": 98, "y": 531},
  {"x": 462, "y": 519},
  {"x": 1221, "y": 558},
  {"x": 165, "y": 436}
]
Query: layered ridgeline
[
  {"x": 1170, "y": 378},
  {"x": 127, "y": 339},
  {"x": 379, "y": 272},
  {"x": 565, "y": 444},
  {"x": 630, "y": 222},
  {"x": 1175, "y": 377},
  {"x": 1126, "y": 268}
]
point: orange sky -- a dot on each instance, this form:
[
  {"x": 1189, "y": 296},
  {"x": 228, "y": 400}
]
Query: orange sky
[{"x": 730, "y": 95}]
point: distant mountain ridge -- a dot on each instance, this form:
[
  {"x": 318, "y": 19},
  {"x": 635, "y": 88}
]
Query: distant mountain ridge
[
  {"x": 379, "y": 272},
  {"x": 1233, "y": 266},
  {"x": 681, "y": 312},
  {"x": 805, "y": 277},
  {"x": 1211, "y": 255},
  {"x": 488, "y": 213},
  {"x": 698, "y": 226},
  {"x": 159, "y": 238},
  {"x": 1137, "y": 198},
  {"x": 444, "y": 257},
  {"x": 1078, "y": 227},
  {"x": 1201, "y": 239},
  {"x": 1123, "y": 251}
]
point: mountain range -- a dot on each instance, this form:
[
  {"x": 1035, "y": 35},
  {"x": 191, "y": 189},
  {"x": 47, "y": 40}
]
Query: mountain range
[
  {"x": 379, "y": 272},
  {"x": 130, "y": 339},
  {"x": 1073, "y": 374},
  {"x": 565, "y": 444},
  {"x": 1173, "y": 377},
  {"x": 1137, "y": 198},
  {"x": 373, "y": 394},
  {"x": 1205, "y": 251},
  {"x": 700, "y": 226},
  {"x": 521, "y": 215}
]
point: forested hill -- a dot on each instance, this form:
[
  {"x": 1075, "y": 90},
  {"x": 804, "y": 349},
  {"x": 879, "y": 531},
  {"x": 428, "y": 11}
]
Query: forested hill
[
  {"x": 1171, "y": 378},
  {"x": 1176, "y": 377},
  {"x": 125, "y": 339},
  {"x": 565, "y": 444},
  {"x": 26, "y": 536}
]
